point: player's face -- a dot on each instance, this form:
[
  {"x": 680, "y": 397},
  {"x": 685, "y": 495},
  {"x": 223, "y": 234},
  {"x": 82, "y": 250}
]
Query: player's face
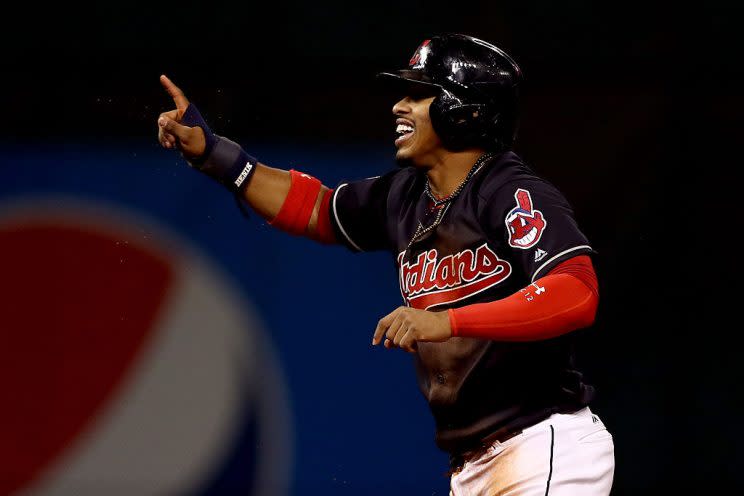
[{"x": 416, "y": 141}]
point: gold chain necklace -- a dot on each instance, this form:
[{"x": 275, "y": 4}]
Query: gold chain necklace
[{"x": 442, "y": 204}]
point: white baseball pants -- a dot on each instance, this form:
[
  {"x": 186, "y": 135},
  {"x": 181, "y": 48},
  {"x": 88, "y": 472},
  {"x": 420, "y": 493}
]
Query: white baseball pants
[{"x": 564, "y": 455}]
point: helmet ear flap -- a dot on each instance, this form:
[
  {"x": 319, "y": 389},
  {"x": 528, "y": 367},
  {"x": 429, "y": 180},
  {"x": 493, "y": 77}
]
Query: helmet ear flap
[
  {"x": 461, "y": 125},
  {"x": 437, "y": 117}
]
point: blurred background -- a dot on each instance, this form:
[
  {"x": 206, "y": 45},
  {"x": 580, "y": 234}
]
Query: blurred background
[{"x": 155, "y": 341}]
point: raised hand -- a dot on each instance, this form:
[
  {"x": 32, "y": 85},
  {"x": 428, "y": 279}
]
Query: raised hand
[{"x": 171, "y": 133}]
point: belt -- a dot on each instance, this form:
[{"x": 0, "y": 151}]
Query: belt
[
  {"x": 457, "y": 460},
  {"x": 501, "y": 437}
]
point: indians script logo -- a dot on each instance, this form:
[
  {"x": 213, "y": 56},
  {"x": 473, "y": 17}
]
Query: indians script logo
[
  {"x": 431, "y": 281},
  {"x": 419, "y": 58},
  {"x": 525, "y": 226}
]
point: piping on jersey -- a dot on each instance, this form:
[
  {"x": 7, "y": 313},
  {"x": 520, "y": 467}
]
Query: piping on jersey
[
  {"x": 534, "y": 276},
  {"x": 338, "y": 221}
]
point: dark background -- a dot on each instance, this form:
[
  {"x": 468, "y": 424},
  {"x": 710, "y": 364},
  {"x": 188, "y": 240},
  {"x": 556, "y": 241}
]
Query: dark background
[{"x": 632, "y": 109}]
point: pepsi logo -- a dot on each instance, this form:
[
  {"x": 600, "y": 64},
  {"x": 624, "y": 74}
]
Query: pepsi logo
[{"x": 130, "y": 363}]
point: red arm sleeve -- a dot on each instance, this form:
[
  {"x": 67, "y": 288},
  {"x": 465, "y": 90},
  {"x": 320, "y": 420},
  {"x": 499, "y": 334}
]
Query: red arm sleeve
[{"x": 564, "y": 300}]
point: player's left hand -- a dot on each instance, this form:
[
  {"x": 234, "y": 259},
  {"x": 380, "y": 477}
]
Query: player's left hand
[{"x": 404, "y": 327}]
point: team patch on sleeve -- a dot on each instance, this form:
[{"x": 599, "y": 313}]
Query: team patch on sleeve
[{"x": 524, "y": 224}]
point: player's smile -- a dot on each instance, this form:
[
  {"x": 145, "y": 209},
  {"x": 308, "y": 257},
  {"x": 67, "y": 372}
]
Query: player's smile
[
  {"x": 415, "y": 137},
  {"x": 404, "y": 129},
  {"x": 413, "y": 116}
]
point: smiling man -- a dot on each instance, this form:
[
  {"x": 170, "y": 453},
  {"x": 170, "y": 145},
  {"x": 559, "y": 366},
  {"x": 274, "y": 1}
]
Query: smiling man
[{"x": 493, "y": 269}]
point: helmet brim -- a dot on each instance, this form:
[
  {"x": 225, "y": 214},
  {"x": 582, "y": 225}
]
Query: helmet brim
[{"x": 408, "y": 79}]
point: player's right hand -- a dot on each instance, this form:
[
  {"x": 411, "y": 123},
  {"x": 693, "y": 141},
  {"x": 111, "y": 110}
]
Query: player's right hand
[{"x": 173, "y": 134}]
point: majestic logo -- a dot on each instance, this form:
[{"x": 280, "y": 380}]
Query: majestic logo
[
  {"x": 525, "y": 225},
  {"x": 419, "y": 58},
  {"x": 430, "y": 281},
  {"x": 540, "y": 254}
]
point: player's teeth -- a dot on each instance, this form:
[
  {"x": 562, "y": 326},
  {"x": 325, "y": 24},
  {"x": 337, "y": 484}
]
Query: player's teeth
[{"x": 402, "y": 128}]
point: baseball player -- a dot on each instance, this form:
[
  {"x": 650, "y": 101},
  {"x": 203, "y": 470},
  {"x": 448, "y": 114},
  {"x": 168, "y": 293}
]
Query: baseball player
[{"x": 493, "y": 270}]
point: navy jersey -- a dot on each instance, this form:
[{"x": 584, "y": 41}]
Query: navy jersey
[{"x": 506, "y": 228}]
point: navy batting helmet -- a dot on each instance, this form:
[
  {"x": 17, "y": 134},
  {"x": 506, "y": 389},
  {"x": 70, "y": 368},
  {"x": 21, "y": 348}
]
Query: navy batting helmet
[{"x": 476, "y": 87}]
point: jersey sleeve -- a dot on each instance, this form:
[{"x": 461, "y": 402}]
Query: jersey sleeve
[
  {"x": 359, "y": 213},
  {"x": 536, "y": 224}
]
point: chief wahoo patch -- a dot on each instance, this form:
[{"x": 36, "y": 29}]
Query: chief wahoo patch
[{"x": 524, "y": 224}]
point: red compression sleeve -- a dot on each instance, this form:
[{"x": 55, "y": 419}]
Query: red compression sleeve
[{"x": 564, "y": 300}]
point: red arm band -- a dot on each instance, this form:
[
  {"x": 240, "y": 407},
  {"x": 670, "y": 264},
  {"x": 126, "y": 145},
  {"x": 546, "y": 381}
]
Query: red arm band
[
  {"x": 323, "y": 229},
  {"x": 564, "y": 300},
  {"x": 297, "y": 209}
]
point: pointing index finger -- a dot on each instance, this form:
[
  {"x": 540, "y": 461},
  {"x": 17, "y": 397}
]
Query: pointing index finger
[{"x": 175, "y": 92}]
